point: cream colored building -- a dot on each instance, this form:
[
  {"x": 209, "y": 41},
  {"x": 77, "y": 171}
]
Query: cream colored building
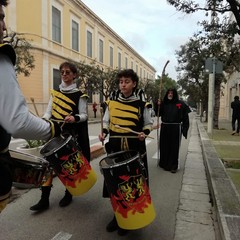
[
  {"x": 61, "y": 30},
  {"x": 230, "y": 89}
]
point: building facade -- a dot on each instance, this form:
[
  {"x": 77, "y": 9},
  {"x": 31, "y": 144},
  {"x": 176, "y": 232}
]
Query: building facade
[
  {"x": 230, "y": 89},
  {"x": 61, "y": 30}
]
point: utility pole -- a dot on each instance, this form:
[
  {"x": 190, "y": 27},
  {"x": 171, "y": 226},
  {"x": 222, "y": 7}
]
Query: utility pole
[
  {"x": 211, "y": 97},
  {"x": 213, "y": 66}
]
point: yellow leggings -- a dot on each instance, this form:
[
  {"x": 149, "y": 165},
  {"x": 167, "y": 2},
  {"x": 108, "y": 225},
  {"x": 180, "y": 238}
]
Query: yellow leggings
[{"x": 47, "y": 179}]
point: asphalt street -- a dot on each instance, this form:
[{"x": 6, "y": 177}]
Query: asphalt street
[{"x": 87, "y": 216}]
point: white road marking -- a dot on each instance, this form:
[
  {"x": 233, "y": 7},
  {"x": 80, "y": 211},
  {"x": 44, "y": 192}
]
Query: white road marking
[{"x": 62, "y": 236}]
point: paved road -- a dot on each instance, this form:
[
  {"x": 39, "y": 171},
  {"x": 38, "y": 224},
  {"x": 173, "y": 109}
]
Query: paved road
[{"x": 88, "y": 215}]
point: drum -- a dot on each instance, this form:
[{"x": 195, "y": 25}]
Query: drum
[
  {"x": 125, "y": 179},
  {"x": 28, "y": 170},
  {"x": 69, "y": 164}
]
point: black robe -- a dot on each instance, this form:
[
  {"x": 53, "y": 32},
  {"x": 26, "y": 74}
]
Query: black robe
[{"x": 175, "y": 123}]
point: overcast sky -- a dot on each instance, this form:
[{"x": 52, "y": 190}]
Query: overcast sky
[{"x": 153, "y": 28}]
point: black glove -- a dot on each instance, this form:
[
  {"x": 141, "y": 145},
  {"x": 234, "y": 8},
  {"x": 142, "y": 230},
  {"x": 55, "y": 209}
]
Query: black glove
[
  {"x": 184, "y": 133},
  {"x": 55, "y": 128}
]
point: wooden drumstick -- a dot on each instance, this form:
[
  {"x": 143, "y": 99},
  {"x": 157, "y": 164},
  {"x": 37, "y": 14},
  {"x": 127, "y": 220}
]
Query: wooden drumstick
[
  {"x": 64, "y": 121},
  {"x": 34, "y": 105},
  {"x": 101, "y": 113},
  {"x": 130, "y": 130},
  {"x": 55, "y": 120}
]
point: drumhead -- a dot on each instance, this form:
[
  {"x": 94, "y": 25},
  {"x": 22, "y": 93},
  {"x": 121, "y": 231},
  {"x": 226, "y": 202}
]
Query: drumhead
[
  {"x": 54, "y": 145},
  {"x": 28, "y": 158},
  {"x": 119, "y": 158}
]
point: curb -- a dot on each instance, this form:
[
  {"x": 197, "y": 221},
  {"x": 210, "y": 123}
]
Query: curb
[
  {"x": 97, "y": 151},
  {"x": 224, "y": 195}
]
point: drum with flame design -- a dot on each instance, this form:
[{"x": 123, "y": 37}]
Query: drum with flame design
[
  {"x": 125, "y": 179},
  {"x": 70, "y": 165},
  {"x": 27, "y": 170}
]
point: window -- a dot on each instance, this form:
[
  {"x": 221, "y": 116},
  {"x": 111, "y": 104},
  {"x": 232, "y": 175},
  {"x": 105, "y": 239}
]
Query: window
[
  {"x": 126, "y": 62},
  {"x": 119, "y": 60},
  {"x": 75, "y": 36},
  {"x": 100, "y": 50},
  {"x": 111, "y": 57},
  {"x": 132, "y": 65},
  {"x": 56, "y": 25},
  {"x": 56, "y": 79},
  {"x": 89, "y": 44},
  {"x": 136, "y": 69}
]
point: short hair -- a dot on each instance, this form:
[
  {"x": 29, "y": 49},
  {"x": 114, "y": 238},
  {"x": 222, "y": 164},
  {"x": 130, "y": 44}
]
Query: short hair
[
  {"x": 72, "y": 66},
  {"x": 128, "y": 73},
  {"x": 4, "y": 2},
  {"x": 236, "y": 97}
]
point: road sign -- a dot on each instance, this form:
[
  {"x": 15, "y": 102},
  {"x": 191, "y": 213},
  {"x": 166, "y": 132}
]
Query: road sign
[{"x": 209, "y": 65}]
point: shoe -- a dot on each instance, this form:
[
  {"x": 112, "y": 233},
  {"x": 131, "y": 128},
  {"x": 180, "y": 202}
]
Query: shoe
[
  {"x": 112, "y": 226},
  {"x": 173, "y": 170},
  {"x": 234, "y": 132},
  {"x": 43, "y": 203},
  {"x": 66, "y": 200},
  {"x": 122, "y": 232}
]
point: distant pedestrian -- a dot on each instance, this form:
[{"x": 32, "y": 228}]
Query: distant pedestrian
[
  {"x": 94, "y": 106},
  {"x": 235, "y": 105}
]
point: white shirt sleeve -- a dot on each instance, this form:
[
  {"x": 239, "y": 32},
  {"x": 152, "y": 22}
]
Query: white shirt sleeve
[
  {"x": 48, "y": 113},
  {"x": 15, "y": 117},
  {"x": 82, "y": 108}
]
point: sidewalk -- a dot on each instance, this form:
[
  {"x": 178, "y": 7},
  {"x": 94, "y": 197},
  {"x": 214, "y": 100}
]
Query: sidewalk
[
  {"x": 195, "y": 214},
  {"x": 223, "y": 193}
]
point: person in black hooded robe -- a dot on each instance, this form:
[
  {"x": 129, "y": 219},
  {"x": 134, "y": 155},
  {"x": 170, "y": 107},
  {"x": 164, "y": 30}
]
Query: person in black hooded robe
[{"x": 174, "y": 124}]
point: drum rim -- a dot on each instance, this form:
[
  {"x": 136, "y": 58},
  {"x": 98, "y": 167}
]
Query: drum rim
[
  {"x": 39, "y": 160},
  {"x": 122, "y": 163},
  {"x": 56, "y": 149}
]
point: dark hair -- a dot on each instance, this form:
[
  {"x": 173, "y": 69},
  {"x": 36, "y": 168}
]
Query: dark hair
[
  {"x": 72, "y": 66},
  {"x": 128, "y": 73},
  {"x": 236, "y": 97},
  {"x": 4, "y": 2}
]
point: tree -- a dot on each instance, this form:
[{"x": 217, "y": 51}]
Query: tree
[
  {"x": 191, "y": 61},
  {"x": 214, "y": 6},
  {"x": 218, "y": 38},
  {"x": 25, "y": 59}
]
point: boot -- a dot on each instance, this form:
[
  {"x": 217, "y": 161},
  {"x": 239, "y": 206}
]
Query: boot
[
  {"x": 43, "y": 204},
  {"x": 112, "y": 226},
  {"x": 66, "y": 200}
]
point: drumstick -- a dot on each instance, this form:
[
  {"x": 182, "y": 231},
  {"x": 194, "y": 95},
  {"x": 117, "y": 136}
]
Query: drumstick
[
  {"x": 130, "y": 130},
  {"x": 34, "y": 105},
  {"x": 101, "y": 112},
  {"x": 64, "y": 121},
  {"x": 56, "y": 120}
]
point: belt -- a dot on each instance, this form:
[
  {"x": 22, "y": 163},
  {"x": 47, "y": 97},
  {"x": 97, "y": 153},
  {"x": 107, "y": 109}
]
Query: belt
[
  {"x": 171, "y": 123},
  {"x": 123, "y": 137}
]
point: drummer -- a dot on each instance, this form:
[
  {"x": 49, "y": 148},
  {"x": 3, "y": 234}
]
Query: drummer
[
  {"x": 15, "y": 118},
  {"x": 67, "y": 104},
  {"x": 127, "y": 110}
]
